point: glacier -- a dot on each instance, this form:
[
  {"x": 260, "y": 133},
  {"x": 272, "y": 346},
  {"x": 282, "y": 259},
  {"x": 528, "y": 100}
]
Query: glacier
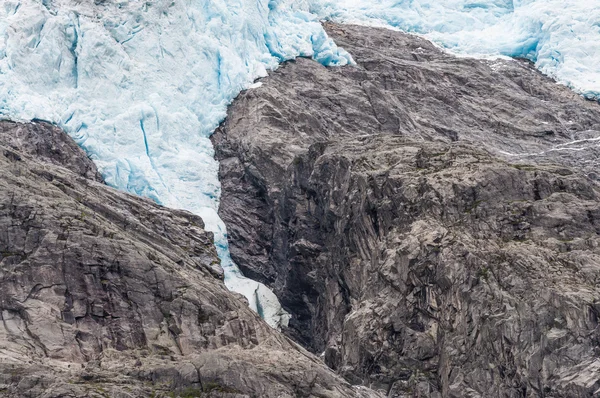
[
  {"x": 142, "y": 84},
  {"x": 562, "y": 37}
]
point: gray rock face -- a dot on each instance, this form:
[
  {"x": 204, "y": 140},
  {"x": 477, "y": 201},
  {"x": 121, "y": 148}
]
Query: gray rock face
[
  {"x": 431, "y": 222},
  {"x": 47, "y": 144},
  {"x": 108, "y": 295}
]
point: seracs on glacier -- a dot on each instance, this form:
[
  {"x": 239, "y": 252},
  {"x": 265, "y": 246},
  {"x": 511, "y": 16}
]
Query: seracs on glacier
[{"x": 141, "y": 85}]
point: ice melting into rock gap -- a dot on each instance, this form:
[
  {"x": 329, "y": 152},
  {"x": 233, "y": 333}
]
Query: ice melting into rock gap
[{"x": 141, "y": 85}]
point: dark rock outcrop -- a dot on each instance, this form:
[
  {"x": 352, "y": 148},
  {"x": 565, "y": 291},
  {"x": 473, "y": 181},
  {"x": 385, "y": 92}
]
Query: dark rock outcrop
[
  {"x": 48, "y": 144},
  {"x": 431, "y": 222},
  {"x": 104, "y": 294}
]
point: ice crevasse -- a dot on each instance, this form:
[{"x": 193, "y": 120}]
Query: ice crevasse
[{"x": 141, "y": 84}]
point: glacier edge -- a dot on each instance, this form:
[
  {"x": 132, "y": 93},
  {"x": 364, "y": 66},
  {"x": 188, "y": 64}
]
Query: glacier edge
[{"x": 142, "y": 85}]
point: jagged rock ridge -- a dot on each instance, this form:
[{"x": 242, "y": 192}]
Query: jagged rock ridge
[{"x": 431, "y": 222}]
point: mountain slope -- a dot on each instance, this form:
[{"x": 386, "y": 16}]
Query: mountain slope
[{"x": 430, "y": 222}]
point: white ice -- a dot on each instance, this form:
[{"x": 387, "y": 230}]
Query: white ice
[
  {"x": 141, "y": 85},
  {"x": 562, "y": 37}
]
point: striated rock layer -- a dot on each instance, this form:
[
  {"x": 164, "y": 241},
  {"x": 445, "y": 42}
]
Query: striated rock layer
[
  {"x": 431, "y": 222},
  {"x": 104, "y": 294}
]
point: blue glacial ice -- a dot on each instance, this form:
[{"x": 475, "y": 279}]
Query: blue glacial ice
[
  {"x": 562, "y": 37},
  {"x": 141, "y": 85}
]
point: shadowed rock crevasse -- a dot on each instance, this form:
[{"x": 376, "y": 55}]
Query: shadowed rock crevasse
[{"x": 104, "y": 294}]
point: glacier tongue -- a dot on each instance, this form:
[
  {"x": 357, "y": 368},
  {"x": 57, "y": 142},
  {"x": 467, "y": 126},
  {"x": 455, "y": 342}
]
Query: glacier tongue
[
  {"x": 562, "y": 37},
  {"x": 141, "y": 85}
]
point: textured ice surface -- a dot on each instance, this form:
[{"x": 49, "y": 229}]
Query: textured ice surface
[
  {"x": 562, "y": 37},
  {"x": 141, "y": 85}
]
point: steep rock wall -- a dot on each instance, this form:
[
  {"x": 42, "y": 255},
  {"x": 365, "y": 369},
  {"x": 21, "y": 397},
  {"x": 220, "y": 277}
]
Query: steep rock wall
[{"x": 431, "y": 222}]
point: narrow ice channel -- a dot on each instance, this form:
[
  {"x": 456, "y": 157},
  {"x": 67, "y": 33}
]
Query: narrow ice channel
[{"x": 141, "y": 85}]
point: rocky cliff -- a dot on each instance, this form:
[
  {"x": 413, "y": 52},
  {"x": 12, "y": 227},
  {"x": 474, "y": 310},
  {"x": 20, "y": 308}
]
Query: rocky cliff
[
  {"x": 430, "y": 222},
  {"x": 104, "y": 294}
]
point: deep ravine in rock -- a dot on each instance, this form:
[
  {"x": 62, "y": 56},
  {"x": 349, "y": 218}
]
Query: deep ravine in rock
[{"x": 105, "y": 294}]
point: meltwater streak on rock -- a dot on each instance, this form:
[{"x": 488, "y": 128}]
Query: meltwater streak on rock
[
  {"x": 561, "y": 37},
  {"x": 141, "y": 85}
]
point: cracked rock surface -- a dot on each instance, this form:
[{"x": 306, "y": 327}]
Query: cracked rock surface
[
  {"x": 104, "y": 294},
  {"x": 430, "y": 222}
]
